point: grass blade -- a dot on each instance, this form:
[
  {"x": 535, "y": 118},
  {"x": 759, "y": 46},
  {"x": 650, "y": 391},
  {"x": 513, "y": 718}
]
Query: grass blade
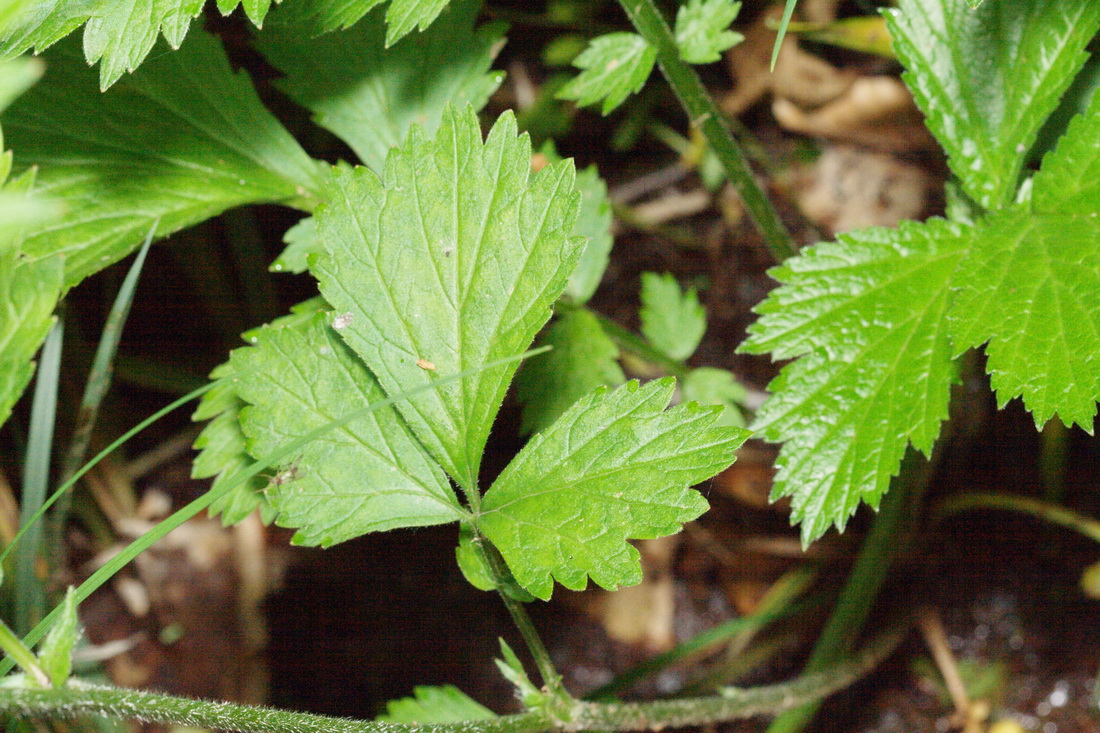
[{"x": 29, "y": 594}]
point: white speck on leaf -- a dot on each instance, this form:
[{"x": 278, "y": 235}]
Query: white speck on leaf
[{"x": 342, "y": 321}]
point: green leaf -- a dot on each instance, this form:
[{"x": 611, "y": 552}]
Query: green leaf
[
  {"x": 16, "y": 77},
  {"x": 301, "y": 241},
  {"x": 614, "y": 66},
  {"x": 710, "y": 386},
  {"x": 1031, "y": 286},
  {"x": 29, "y": 291},
  {"x": 180, "y": 140},
  {"x": 672, "y": 320},
  {"x": 402, "y": 16},
  {"x": 987, "y": 78},
  {"x": 702, "y": 30},
  {"x": 370, "y": 95},
  {"x": 866, "y": 317},
  {"x": 615, "y": 466},
  {"x": 474, "y": 565},
  {"x": 453, "y": 262},
  {"x": 428, "y": 705},
  {"x": 368, "y": 476},
  {"x": 582, "y": 358},
  {"x": 512, "y": 670},
  {"x": 119, "y": 33},
  {"x": 55, "y": 652},
  {"x": 593, "y": 223},
  {"x": 222, "y": 445},
  {"x": 223, "y": 453}
]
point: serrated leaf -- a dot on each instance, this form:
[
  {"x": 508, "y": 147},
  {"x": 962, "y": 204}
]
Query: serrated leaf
[
  {"x": 710, "y": 386},
  {"x": 614, "y": 66},
  {"x": 582, "y": 358},
  {"x": 615, "y": 466},
  {"x": 370, "y": 475},
  {"x": 180, "y": 140},
  {"x": 55, "y": 653},
  {"x": 370, "y": 95},
  {"x": 1031, "y": 286},
  {"x": 865, "y": 317},
  {"x": 450, "y": 263},
  {"x": 702, "y": 29},
  {"x": 222, "y": 446},
  {"x": 402, "y": 16},
  {"x": 29, "y": 291},
  {"x": 442, "y": 704},
  {"x": 118, "y": 33},
  {"x": 223, "y": 453},
  {"x": 987, "y": 78},
  {"x": 593, "y": 223},
  {"x": 672, "y": 319},
  {"x": 301, "y": 241}
]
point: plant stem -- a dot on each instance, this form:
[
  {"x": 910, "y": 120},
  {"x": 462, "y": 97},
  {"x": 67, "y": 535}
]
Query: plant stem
[
  {"x": 1039, "y": 509},
  {"x": 551, "y": 678},
  {"x": 77, "y": 698},
  {"x": 705, "y": 115},
  {"x": 886, "y": 538}
]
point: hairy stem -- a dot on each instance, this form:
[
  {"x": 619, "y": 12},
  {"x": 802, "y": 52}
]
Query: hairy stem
[
  {"x": 706, "y": 116},
  {"x": 77, "y": 698},
  {"x": 551, "y": 678}
]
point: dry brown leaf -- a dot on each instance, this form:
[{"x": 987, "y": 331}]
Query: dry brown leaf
[
  {"x": 850, "y": 188},
  {"x": 875, "y": 111}
]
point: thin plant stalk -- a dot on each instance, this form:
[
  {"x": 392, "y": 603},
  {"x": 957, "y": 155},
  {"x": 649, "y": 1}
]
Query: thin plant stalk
[
  {"x": 709, "y": 119},
  {"x": 99, "y": 378},
  {"x": 881, "y": 547},
  {"x": 1033, "y": 507},
  {"x": 78, "y": 698},
  {"x": 29, "y": 594}
]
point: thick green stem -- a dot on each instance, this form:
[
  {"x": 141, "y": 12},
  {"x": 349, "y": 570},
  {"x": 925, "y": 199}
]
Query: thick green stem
[
  {"x": 706, "y": 116},
  {"x": 76, "y": 699}
]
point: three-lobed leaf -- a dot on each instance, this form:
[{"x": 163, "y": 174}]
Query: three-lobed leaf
[
  {"x": 613, "y": 67},
  {"x": 616, "y": 466},
  {"x": 180, "y": 140},
  {"x": 867, "y": 317},
  {"x": 702, "y": 29},
  {"x": 987, "y": 78},
  {"x": 451, "y": 262}
]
